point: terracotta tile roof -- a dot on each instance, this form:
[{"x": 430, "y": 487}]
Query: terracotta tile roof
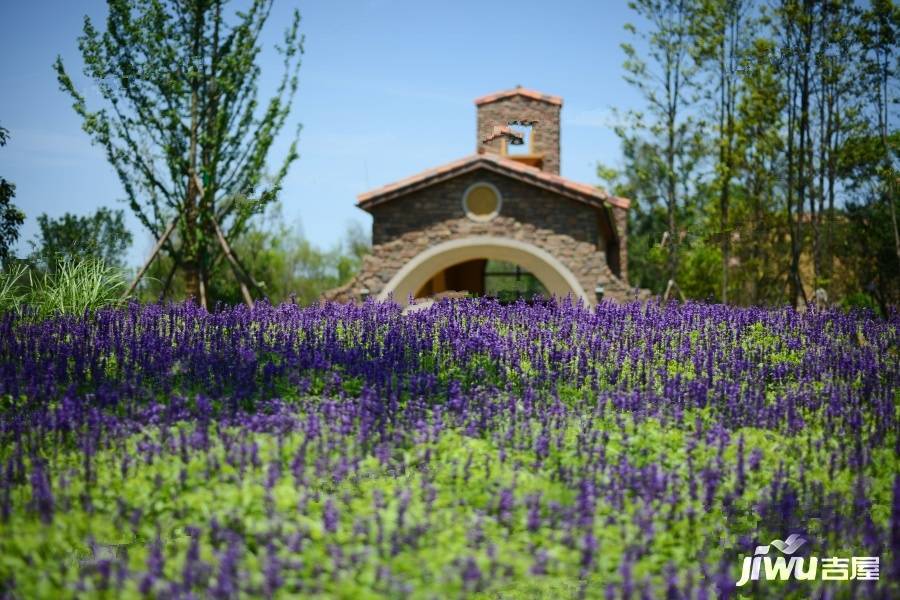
[
  {"x": 519, "y": 91},
  {"x": 499, "y": 164}
]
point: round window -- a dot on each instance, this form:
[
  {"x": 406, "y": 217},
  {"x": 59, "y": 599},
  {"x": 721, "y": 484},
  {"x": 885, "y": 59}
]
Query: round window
[{"x": 481, "y": 202}]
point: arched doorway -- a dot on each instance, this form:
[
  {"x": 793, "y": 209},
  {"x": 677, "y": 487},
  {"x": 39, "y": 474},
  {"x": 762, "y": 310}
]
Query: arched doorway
[
  {"x": 498, "y": 279},
  {"x": 421, "y": 269}
]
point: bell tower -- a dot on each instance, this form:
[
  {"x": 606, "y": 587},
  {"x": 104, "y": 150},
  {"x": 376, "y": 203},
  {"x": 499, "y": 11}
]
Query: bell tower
[{"x": 522, "y": 125}]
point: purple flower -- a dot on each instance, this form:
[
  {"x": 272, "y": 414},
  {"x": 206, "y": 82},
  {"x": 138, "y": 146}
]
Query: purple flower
[
  {"x": 588, "y": 552},
  {"x": 471, "y": 574},
  {"x": 539, "y": 567},
  {"x": 272, "y": 571},
  {"x": 533, "y": 501},
  {"x": 227, "y": 585},
  {"x": 41, "y": 494},
  {"x": 330, "y": 516}
]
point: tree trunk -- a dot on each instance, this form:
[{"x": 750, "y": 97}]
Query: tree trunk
[
  {"x": 194, "y": 259},
  {"x": 791, "y": 132}
]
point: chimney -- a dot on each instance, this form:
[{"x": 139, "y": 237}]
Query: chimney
[{"x": 533, "y": 115}]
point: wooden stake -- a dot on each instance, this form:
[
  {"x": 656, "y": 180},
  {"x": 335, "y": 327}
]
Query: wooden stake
[
  {"x": 168, "y": 282},
  {"x": 669, "y": 287},
  {"x": 241, "y": 276},
  {"x": 203, "y": 292},
  {"x": 153, "y": 253}
]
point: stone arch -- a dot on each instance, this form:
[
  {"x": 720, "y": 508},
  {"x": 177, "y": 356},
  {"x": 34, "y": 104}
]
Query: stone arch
[{"x": 553, "y": 274}]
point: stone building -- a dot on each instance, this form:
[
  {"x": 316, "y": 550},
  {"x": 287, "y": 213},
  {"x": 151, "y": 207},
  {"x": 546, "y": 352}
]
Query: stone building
[{"x": 502, "y": 214}]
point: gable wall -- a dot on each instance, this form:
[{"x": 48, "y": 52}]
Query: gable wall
[{"x": 521, "y": 202}]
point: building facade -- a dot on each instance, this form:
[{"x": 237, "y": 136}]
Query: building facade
[{"x": 504, "y": 207}]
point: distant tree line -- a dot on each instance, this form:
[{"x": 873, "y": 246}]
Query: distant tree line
[{"x": 763, "y": 164}]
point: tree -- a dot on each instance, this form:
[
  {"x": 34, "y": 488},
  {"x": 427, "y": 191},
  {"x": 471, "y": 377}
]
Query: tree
[
  {"x": 356, "y": 245},
  {"x": 838, "y": 106},
  {"x": 794, "y": 23},
  {"x": 102, "y": 235},
  {"x": 721, "y": 28},
  {"x": 759, "y": 128},
  {"x": 11, "y": 218},
  {"x": 647, "y": 224},
  {"x": 881, "y": 27},
  {"x": 182, "y": 124},
  {"x": 666, "y": 81}
]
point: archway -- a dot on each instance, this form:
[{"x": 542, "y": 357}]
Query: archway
[
  {"x": 555, "y": 277},
  {"x": 504, "y": 281}
]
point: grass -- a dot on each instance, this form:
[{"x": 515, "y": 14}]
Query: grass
[{"x": 74, "y": 287}]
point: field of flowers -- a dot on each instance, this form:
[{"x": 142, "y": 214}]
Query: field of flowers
[{"x": 470, "y": 450}]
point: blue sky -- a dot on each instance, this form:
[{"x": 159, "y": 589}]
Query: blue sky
[{"x": 386, "y": 91}]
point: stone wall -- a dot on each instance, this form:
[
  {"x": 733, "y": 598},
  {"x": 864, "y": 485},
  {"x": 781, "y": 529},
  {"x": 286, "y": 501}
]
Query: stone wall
[
  {"x": 545, "y": 133},
  {"x": 620, "y": 216},
  {"x": 408, "y": 225}
]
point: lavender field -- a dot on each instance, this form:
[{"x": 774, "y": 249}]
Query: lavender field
[{"x": 470, "y": 450}]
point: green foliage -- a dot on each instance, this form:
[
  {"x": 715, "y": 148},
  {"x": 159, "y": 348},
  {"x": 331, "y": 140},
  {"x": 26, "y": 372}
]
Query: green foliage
[
  {"x": 860, "y": 300},
  {"x": 869, "y": 252},
  {"x": 699, "y": 271},
  {"x": 769, "y": 345},
  {"x": 11, "y": 218},
  {"x": 181, "y": 121},
  {"x": 102, "y": 236},
  {"x": 777, "y": 147},
  {"x": 289, "y": 265},
  {"x": 174, "y": 496}
]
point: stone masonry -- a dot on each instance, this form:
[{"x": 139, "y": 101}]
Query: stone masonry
[{"x": 498, "y": 109}]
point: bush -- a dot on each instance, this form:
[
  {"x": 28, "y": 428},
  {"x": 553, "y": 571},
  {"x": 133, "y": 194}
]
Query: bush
[{"x": 861, "y": 300}]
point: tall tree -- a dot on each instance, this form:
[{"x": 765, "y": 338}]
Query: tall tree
[
  {"x": 881, "y": 28},
  {"x": 720, "y": 31},
  {"x": 837, "y": 107},
  {"x": 666, "y": 81},
  {"x": 794, "y": 28},
  {"x": 760, "y": 144},
  {"x": 182, "y": 124},
  {"x": 11, "y": 218}
]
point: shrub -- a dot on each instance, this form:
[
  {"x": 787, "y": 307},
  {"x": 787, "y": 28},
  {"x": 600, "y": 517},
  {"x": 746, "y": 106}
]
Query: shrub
[{"x": 860, "y": 300}]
